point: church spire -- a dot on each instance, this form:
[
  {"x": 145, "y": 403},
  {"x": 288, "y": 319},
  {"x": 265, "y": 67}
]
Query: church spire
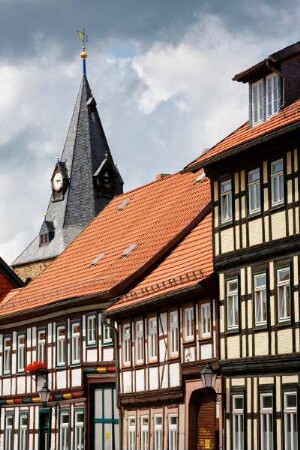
[{"x": 84, "y": 180}]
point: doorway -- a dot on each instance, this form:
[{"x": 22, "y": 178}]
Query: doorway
[{"x": 203, "y": 424}]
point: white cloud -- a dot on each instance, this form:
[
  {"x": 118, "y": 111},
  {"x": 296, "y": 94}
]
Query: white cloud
[{"x": 159, "y": 109}]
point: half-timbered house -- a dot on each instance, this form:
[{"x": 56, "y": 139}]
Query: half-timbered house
[
  {"x": 254, "y": 175},
  {"x": 168, "y": 331},
  {"x": 54, "y": 326}
]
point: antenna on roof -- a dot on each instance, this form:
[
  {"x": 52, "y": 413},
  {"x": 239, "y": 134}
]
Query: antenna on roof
[{"x": 82, "y": 36}]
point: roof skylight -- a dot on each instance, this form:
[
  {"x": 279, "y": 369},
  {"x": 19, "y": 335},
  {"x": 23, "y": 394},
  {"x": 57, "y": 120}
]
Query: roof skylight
[
  {"x": 123, "y": 204},
  {"x": 129, "y": 249},
  {"x": 200, "y": 177},
  {"x": 97, "y": 259}
]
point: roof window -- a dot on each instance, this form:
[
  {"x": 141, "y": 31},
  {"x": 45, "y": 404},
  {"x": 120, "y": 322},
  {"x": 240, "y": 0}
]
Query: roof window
[
  {"x": 97, "y": 259},
  {"x": 200, "y": 177},
  {"x": 123, "y": 204},
  {"x": 129, "y": 250}
]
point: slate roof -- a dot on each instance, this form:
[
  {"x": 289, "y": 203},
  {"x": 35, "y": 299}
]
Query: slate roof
[
  {"x": 187, "y": 265},
  {"x": 84, "y": 151},
  {"x": 156, "y": 218},
  {"x": 245, "y": 134}
]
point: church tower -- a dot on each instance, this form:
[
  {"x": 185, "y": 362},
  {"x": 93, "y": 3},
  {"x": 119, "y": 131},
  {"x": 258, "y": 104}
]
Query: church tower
[{"x": 83, "y": 182}]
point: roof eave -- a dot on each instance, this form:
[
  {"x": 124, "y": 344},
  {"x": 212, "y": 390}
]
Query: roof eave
[{"x": 235, "y": 150}]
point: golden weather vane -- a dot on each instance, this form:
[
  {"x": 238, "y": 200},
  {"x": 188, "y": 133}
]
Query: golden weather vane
[{"x": 83, "y": 37}]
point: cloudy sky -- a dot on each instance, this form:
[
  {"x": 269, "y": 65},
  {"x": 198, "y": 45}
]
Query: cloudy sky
[{"x": 160, "y": 70}]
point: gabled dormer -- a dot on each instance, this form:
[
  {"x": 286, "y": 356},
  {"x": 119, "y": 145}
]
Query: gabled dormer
[{"x": 273, "y": 83}]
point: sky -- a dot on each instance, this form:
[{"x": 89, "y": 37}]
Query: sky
[{"x": 161, "y": 72}]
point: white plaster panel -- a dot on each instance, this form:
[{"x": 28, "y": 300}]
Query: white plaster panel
[
  {"x": 108, "y": 353},
  {"x": 163, "y": 375},
  {"x": 91, "y": 354},
  {"x": 206, "y": 351},
  {"x": 285, "y": 341},
  {"x": 255, "y": 231},
  {"x": 153, "y": 378},
  {"x": 261, "y": 341},
  {"x": 76, "y": 377},
  {"x": 21, "y": 385},
  {"x": 61, "y": 378},
  {"x": 237, "y": 210},
  {"x": 291, "y": 222},
  {"x": 278, "y": 225},
  {"x": 227, "y": 240},
  {"x": 267, "y": 234},
  {"x": 237, "y": 237},
  {"x": 222, "y": 286},
  {"x": 127, "y": 382},
  {"x": 244, "y": 241},
  {"x": 174, "y": 375},
  {"x": 216, "y": 191},
  {"x": 140, "y": 380},
  {"x": 236, "y": 183},
  {"x": 189, "y": 354},
  {"x": 216, "y": 246},
  {"x": 233, "y": 343}
]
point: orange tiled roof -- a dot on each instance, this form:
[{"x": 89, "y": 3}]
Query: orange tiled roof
[
  {"x": 245, "y": 134},
  {"x": 155, "y": 215},
  {"x": 188, "y": 264}
]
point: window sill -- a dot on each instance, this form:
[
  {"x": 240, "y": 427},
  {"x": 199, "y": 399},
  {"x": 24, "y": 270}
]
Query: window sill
[
  {"x": 75, "y": 364},
  {"x": 284, "y": 323},
  {"x": 189, "y": 340},
  {"x": 262, "y": 327},
  {"x": 254, "y": 215},
  {"x": 107, "y": 344},
  {"x": 61, "y": 367},
  {"x": 205, "y": 338},
  {"x": 92, "y": 345},
  {"x": 280, "y": 206},
  {"x": 224, "y": 225},
  {"x": 153, "y": 361},
  {"x": 233, "y": 331}
]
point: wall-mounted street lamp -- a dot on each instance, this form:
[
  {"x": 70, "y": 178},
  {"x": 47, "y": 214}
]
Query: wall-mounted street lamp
[
  {"x": 44, "y": 394},
  {"x": 208, "y": 377}
]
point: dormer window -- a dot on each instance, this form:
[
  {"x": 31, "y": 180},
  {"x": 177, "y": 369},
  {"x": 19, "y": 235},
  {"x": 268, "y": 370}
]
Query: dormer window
[{"x": 265, "y": 98}]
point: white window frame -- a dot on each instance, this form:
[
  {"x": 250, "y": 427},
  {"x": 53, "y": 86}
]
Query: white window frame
[
  {"x": 189, "y": 323},
  {"x": 64, "y": 431},
  {"x": 172, "y": 432},
  {"x": 254, "y": 195},
  {"x": 174, "y": 333},
  {"x": 9, "y": 431},
  {"x": 144, "y": 433},
  {"x": 258, "y": 100},
  {"x": 126, "y": 345},
  {"x": 277, "y": 183},
  {"x": 61, "y": 346},
  {"x": 139, "y": 342},
  {"x": 23, "y": 431},
  {"x": 232, "y": 304},
  {"x": 21, "y": 352},
  {"x": 290, "y": 422},
  {"x": 260, "y": 299},
  {"x": 238, "y": 423},
  {"x": 284, "y": 295},
  {"x": 205, "y": 324},
  {"x": 273, "y": 97},
  {"x": 226, "y": 201},
  {"x": 79, "y": 430},
  {"x": 41, "y": 345},
  {"x": 107, "y": 333},
  {"x": 7, "y": 355},
  {"x": 152, "y": 339},
  {"x": 91, "y": 330},
  {"x": 158, "y": 432},
  {"x": 131, "y": 433},
  {"x": 266, "y": 424},
  {"x": 75, "y": 342}
]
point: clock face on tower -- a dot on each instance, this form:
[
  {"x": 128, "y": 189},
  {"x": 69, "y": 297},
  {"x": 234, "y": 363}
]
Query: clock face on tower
[{"x": 57, "y": 182}]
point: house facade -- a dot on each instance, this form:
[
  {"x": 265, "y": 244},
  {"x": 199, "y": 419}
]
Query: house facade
[
  {"x": 54, "y": 335},
  {"x": 168, "y": 332},
  {"x": 255, "y": 192}
]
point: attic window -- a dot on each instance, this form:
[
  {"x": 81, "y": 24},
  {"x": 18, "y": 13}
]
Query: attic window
[
  {"x": 200, "y": 177},
  {"x": 97, "y": 259},
  {"x": 129, "y": 250},
  {"x": 44, "y": 239},
  {"x": 123, "y": 204},
  {"x": 265, "y": 98}
]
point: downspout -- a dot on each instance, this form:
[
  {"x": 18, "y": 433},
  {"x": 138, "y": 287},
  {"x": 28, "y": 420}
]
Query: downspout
[
  {"x": 280, "y": 74},
  {"x": 117, "y": 363}
]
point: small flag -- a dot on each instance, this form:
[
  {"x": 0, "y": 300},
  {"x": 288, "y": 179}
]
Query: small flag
[{"x": 82, "y": 36}]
